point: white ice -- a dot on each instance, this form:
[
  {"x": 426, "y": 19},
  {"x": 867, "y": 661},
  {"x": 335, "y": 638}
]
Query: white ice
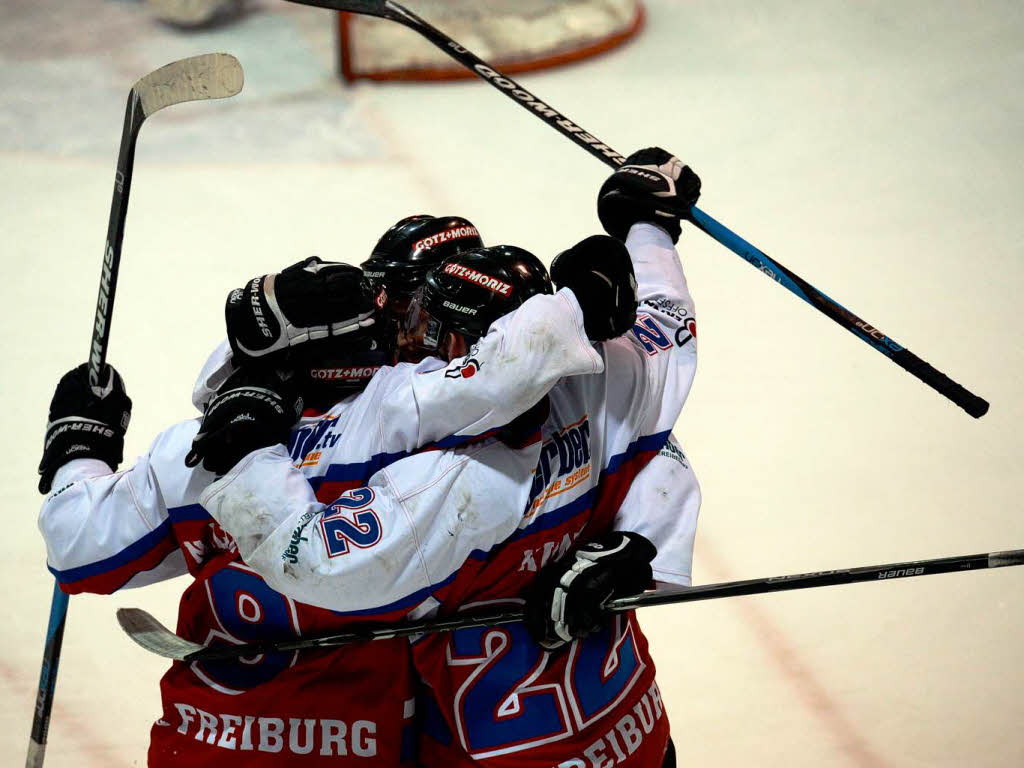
[{"x": 875, "y": 148}]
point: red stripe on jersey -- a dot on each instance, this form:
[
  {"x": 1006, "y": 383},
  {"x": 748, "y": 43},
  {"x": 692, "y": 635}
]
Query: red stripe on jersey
[{"x": 111, "y": 581}]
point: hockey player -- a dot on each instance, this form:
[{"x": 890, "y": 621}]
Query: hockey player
[
  {"x": 107, "y": 531},
  {"x": 511, "y": 695}
]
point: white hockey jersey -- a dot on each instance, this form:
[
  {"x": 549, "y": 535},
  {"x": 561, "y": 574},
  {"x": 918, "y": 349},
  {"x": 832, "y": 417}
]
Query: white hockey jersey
[
  {"x": 663, "y": 505},
  {"x": 107, "y": 531},
  {"x": 603, "y": 430}
]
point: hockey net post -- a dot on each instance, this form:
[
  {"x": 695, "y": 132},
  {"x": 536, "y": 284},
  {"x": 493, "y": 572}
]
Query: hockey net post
[{"x": 517, "y": 37}]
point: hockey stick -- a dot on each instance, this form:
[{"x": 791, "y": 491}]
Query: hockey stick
[
  {"x": 156, "y": 638},
  {"x": 903, "y": 357},
  {"x": 210, "y": 76}
]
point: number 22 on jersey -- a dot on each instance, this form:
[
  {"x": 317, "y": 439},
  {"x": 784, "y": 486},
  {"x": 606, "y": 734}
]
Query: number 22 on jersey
[{"x": 518, "y": 696}]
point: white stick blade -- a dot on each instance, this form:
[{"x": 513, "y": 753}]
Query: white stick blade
[
  {"x": 154, "y": 636},
  {"x": 209, "y": 76}
]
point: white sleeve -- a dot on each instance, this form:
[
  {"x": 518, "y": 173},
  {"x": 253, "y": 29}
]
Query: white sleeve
[
  {"x": 105, "y": 531},
  {"x": 381, "y": 547},
  {"x": 507, "y": 372},
  {"x": 662, "y": 505},
  {"x": 650, "y": 369}
]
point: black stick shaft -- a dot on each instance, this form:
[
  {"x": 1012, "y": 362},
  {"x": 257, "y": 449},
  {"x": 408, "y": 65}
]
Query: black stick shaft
[
  {"x": 820, "y": 579},
  {"x": 133, "y": 118},
  {"x": 903, "y": 357},
  {"x": 886, "y": 572}
]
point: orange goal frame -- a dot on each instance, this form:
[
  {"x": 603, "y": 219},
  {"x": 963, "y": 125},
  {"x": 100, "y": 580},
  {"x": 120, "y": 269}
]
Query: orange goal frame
[{"x": 456, "y": 72}]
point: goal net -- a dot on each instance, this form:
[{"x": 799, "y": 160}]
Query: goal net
[{"x": 512, "y": 35}]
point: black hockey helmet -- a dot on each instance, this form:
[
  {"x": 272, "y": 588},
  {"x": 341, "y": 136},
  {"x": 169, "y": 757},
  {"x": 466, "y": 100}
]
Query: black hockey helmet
[
  {"x": 324, "y": 321},
  {"x": 467, "y": 292},
  {"x": 412, "y": 247}
]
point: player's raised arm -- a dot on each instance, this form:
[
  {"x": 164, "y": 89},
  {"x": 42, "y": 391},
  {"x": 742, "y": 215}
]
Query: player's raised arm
[
  {"x": 104, "y": 529},
  {"x": 651, "y": 368},
  {"x": 648, "y": 376}
]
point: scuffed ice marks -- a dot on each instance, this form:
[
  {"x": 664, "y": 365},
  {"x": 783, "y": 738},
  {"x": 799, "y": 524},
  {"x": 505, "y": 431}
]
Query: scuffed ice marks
[{"x": 65, "y": 75}]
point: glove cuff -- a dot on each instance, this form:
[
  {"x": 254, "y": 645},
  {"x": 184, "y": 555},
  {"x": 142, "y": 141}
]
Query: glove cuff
[{"x": 73, "y": 438}]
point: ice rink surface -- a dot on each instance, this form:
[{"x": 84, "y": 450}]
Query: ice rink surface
[{"x": 875, "y": 148}]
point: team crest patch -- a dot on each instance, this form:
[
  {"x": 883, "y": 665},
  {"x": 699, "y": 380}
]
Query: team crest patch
[{"x": 465, "y": 370}]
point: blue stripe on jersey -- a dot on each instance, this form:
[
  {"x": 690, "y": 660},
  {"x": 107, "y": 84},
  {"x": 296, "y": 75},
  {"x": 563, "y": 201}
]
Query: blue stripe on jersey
[
  {"x": 356, "y": 472},
  {"x": 641, "y": 444},
  {"x": 361, "y": 471},
  {"x": 457, "y": 440},
  {"x": 132, "y": 552},
  {"x": 188, "y": 512},
  {"x": 557, "y": 516}
]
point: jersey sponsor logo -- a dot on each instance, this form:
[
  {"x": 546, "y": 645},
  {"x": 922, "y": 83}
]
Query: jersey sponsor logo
[
  {"x": 59, "y": 491},
  {"x": 625, "y": 737},
  {"x": 214, "y": 541},
  {"x": 456, "y": 233},
  {"x": 276, "y": 735},
  {"x": 307, "y": 444},
  {"x": 564, "y": 463},
  {"x": 344, "y": 373},
  {"x": 466, "y": 369},
  {"x": 471, "y": 275},
  {"x": 686, "y": 333},
  {"x": 650, "y": 334},
  {"x": 536, "y": 558},
  {"x": 291, "y": 552},
  {"x": 350, "y": 522},
  {"x": 687, "y": 330},
  {"x": 674, "y": 452}
]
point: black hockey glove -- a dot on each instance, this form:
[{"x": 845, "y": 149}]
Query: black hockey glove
[
  {"x": 84, "y": 426},
  {"x": 253, "y": 409},
  {"x": 599, "y": 272},
  {"x": 310, "y": 300},
  {"x": 651, "y": 186},
  {"x": 566, "y": 600}
]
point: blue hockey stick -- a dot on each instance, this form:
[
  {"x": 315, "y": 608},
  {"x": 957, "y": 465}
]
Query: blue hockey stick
[{"x": 899, "y": 354}]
